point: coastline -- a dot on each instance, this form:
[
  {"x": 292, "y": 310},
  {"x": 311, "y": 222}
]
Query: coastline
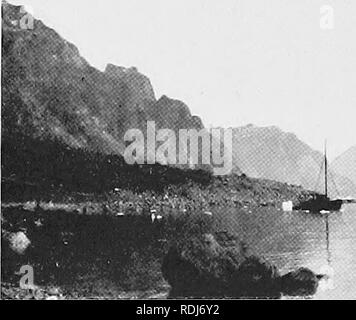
[{"x": 108, "y": 246}]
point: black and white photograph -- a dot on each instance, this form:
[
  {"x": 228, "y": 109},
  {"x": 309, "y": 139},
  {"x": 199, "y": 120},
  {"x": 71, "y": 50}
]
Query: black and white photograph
[{"x": 178, "y": 150}]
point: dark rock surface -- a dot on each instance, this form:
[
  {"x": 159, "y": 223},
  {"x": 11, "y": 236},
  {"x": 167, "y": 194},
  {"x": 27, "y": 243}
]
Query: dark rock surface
[
  {"x": 209, "y": 266},
  {"x": 49, "y": 91},
  {"x": 302, "y": 282}
]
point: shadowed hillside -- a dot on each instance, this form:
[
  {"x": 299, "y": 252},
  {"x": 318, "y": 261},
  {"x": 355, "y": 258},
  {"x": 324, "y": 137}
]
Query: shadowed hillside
[
  {"x": 34, "y": 169},
  {"x": 50, "y": 91}
]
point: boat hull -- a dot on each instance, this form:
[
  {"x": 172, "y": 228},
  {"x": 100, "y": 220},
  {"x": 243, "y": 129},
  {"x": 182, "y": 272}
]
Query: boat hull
[{"x": 318, "y": 205}]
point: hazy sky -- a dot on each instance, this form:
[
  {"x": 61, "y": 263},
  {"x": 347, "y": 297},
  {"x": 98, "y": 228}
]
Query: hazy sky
[{"x": 233, "y": 62}]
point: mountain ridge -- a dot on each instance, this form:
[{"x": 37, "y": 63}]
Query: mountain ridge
[
  {"x": 269, "y": 152},
  {"x": 51, "y": 92},
  {"x": 345, "y": 164}
]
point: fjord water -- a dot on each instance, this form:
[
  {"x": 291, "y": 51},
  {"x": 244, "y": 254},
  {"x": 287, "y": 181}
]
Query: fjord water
[{"x": 324, "y": 243}]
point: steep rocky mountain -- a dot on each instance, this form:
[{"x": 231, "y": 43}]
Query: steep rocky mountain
[
  {"x": 268, "y": 152},
  {"x": 49, "y": 91},
  {"x": 345, "y": 164}
]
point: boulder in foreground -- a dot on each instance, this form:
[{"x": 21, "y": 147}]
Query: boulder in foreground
[{"x": 212, "y": 266}]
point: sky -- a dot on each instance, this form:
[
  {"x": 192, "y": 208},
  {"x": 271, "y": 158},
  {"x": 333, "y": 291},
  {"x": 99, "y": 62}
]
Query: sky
[{"x": 233, "y": 62}]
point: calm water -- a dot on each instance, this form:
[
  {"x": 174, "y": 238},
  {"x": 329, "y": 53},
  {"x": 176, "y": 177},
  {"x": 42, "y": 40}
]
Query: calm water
[{"x": 297, "y": 239}]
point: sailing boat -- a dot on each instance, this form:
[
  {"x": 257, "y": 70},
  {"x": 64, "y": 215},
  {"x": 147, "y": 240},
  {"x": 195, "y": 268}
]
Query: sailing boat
[{"x": 321, "y": 202}]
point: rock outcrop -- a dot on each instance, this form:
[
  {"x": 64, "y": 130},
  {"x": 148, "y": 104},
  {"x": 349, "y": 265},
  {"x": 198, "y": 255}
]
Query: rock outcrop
[
  {"x": 18, "y": 242},
  {"x": 211, "y": 266},
  {"x": 302, "y": 282}
]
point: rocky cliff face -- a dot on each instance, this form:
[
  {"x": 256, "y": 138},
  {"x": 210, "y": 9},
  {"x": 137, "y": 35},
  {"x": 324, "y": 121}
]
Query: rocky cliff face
[
  {"x": 268, "y": 152},
  {"x": 345, "y": 164},
  {"x": 174, "y": 114},
  {"x": 51, "y": 92}
]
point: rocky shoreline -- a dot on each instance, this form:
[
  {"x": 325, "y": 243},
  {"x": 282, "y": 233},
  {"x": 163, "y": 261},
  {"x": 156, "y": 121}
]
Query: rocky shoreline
[
  {"x": 101, "y": 253},
  {"x": 113, "y": 242}
]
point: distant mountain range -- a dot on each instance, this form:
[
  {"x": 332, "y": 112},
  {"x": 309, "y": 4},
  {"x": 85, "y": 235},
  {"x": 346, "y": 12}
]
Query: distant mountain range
[
  {"x": 345, "y": 164},
  {"x": 268, "y": 152}
]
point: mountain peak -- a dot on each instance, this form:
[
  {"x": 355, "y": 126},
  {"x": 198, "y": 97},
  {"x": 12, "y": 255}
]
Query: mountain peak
[{"x": 51, "y": 92}]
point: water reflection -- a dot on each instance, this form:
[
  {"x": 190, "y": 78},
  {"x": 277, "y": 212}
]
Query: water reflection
[
  {"x": 323, "y": 243},
  {"x": 328, "y": 252}
]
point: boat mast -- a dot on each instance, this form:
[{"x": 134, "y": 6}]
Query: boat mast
[{"x": 326, "y": 170}]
